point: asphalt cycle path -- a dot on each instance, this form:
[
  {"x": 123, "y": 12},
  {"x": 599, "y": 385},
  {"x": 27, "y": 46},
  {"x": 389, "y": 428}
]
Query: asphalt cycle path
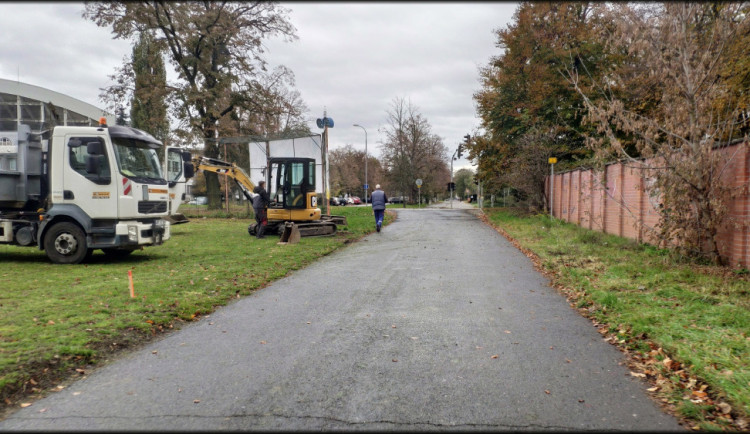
[{"x": 435, "y": 323}]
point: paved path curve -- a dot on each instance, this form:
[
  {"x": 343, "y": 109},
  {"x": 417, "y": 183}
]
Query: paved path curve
[{"x": 449, "y": 328}]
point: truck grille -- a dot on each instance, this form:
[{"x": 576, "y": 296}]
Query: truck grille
[{"x": 152, "y": 207}]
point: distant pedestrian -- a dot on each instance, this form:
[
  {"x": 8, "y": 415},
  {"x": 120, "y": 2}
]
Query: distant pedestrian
[
  {"x": 378, "y": 199},
  {"x": 260, "y": 203}
]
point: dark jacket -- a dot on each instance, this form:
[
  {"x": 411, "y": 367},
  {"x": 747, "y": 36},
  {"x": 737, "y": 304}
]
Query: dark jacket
[
  {"x": 378, "y": 200},
  {"x": 261, "y": 198}
]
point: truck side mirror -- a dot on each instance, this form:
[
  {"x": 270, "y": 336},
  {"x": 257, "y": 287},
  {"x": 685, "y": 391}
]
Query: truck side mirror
[
  {"x": 95, "y": 148},
  {"x": 188, "y": 170},
  {"x": 187, "y": 156},
  {"x": 94, "y": 163}
]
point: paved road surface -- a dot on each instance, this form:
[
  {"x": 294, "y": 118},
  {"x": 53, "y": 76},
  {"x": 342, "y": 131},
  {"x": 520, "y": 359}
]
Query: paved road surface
[{"x": 449, "y": 328}]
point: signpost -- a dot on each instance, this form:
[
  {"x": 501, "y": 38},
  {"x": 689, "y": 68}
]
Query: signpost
[
  {"x": 419, "y": 192},
  {"x": 551, "y": 161}
]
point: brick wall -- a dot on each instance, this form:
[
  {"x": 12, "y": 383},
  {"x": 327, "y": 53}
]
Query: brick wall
[{"x": 618, "y": 201}]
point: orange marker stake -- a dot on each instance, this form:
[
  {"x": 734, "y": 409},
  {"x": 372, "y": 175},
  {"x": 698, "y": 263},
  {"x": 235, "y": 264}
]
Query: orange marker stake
[{"x": 130, "y": 280}]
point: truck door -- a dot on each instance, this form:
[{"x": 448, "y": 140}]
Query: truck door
[
  {"x": 87, "y": 176},
  {"x": 176, "y": 178}
]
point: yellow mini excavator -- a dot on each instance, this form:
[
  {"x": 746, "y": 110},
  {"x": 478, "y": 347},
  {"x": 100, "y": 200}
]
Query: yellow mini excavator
[{"x": 293, "y": 211}]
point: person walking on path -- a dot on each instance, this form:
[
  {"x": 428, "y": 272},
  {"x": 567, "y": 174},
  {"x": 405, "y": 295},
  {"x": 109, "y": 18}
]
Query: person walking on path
[
  {"x": 260, "y": 203},
  {"x": 378, "y": 199}
]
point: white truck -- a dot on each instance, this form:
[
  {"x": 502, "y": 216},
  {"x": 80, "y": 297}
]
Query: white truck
[{"x": 79, "y": 189}]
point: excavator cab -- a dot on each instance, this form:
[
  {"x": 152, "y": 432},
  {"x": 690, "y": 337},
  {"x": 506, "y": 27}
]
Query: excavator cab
[{"x": 292, "y": 184}]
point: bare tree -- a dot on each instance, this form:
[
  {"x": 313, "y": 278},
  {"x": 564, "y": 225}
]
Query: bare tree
[
  {"x": 660, "y": 103},
  {"x": 348, "y": 170},
  {"x": 216, "y": 49},
  {"x": 411, "y": 151}
]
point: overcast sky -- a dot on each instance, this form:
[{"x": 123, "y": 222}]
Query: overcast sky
[{"x": 351, "y": 59}]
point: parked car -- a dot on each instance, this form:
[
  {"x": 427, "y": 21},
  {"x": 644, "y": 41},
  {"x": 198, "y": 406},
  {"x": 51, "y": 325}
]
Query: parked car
[
  {"x": 334, "y": 201},
  {"x": 349, "y": 200},
  {"x": 199, "y": 200},
  {"x": 356, "y": 200},
  {"x": 396, "y": 199},
  {"x": 342, "y": 201}
]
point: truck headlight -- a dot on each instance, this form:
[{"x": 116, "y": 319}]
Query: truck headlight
[{"x": 133, "y": 233}]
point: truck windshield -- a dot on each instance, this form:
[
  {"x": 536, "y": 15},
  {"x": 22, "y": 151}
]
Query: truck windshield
[{"x": 137, "y": 160}]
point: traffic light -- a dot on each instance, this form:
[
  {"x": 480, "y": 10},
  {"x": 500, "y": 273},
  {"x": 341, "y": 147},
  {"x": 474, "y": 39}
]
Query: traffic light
[
  {"x": 451, "y": 186},
  {"x": 461, "y": 146}
]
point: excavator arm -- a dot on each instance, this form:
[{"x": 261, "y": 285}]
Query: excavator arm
[{"x": 230, "y": 169}]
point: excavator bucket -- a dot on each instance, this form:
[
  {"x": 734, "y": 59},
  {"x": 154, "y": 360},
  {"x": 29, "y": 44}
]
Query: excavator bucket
[
  {"x": 176, "y": 219},
  {"x": 290, "y": 234}
]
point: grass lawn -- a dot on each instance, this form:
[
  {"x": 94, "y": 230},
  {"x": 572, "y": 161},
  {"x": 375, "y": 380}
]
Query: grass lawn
[
  {"x": 686, "y": 326},
  {"x": 60, "y": 320}
]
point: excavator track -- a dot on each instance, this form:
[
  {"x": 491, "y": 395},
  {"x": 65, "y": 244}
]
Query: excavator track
[
  {"x": 316, "y": 229},
  {"x": 306, "y": 229},
  {"x": 335, "y": 219}
]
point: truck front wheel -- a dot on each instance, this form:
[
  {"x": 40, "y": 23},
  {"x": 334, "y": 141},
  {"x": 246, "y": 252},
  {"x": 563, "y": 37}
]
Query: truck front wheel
[{"x": 65, "y": 243}]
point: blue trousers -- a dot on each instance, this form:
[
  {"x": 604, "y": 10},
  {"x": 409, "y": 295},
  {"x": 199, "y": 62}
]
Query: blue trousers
[{"x": 379, "y": 213}]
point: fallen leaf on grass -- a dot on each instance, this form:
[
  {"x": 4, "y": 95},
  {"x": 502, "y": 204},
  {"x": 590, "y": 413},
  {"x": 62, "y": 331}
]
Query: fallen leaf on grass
[
  {"x": 700, "y": 394},
  {"x": 638, "y": 374},
  {"x": 25, "y": 404},
  {"x": 724, "y": 407}
]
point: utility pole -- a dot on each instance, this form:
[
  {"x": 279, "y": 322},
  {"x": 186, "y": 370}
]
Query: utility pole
[{"x": 326, "y": 123}]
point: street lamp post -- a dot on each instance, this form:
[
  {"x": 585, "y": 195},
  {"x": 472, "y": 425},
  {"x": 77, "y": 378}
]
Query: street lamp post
[
  {"x": 453, "y": 157},
  {"x": 366, "y": 186}
]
